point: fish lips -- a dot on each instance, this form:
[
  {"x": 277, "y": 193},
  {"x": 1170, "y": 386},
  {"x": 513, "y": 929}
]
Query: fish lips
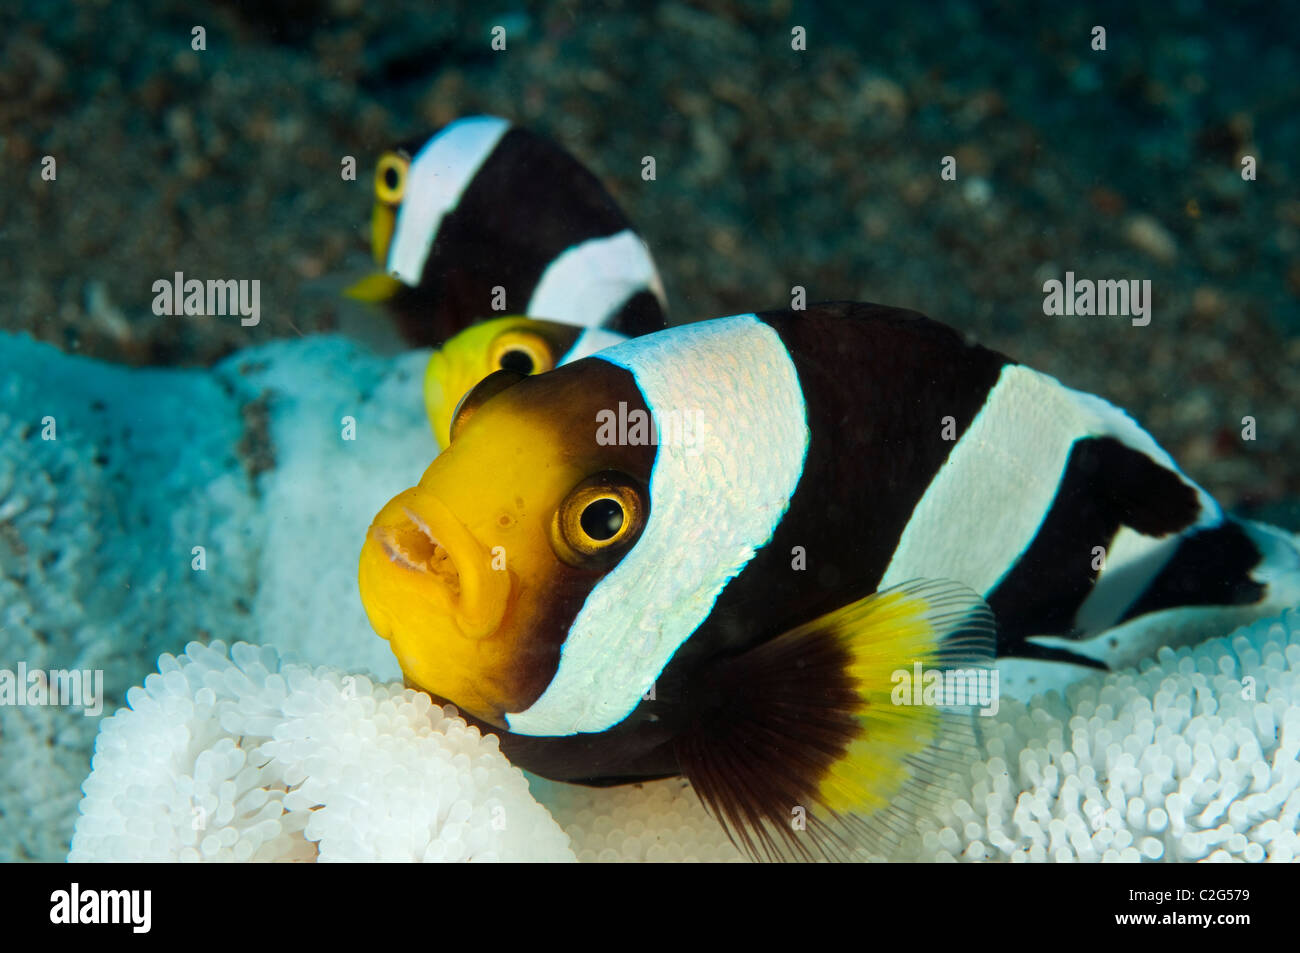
[
  {"x": 430, "y": 588},
  {"x": 418, "y": 548}
]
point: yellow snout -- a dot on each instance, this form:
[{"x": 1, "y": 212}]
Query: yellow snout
[{"x": 419, "y": 562}]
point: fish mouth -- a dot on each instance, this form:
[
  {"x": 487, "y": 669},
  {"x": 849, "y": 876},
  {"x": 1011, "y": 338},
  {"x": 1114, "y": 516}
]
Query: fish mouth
[
  {"x": 418, "y": 551},
  {"x": 413, "y": 546}
]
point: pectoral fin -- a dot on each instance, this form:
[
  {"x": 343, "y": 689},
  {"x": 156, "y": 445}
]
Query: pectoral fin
[{"x": 825, "y": 748}]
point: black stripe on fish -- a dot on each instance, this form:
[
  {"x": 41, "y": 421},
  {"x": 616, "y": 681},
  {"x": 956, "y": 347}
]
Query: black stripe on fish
[
  {"x": 1210, "y": 567},
  {"x": 529, "y": 197},
  {"x": 640, "y": 315},
  {"x": 1106, "y": 485},
  {"x": 528, "y": 203},
  {"x": 877, "y": 382}
]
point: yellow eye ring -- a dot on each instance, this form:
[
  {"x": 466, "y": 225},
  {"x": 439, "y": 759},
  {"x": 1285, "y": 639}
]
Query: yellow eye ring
[
  {"x": 599, "y": 520},
  {"x": 520, "y": 351},
  {"x": 390, "y": 177}
]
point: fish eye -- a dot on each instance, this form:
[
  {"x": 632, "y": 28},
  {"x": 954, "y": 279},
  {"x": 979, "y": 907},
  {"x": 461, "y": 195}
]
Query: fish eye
[
  {"x": 523, "y": 352},
  {"x": 479, "y": 394},
  {"x": 390, "y": 177},
  {"x": 518, "y": 360},
  {"x": 599, "y": 520}
]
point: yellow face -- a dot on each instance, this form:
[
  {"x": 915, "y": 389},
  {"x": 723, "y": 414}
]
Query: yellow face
[
  {"x": 523, "y": 345},
  {"x": 475, "y": 575}
]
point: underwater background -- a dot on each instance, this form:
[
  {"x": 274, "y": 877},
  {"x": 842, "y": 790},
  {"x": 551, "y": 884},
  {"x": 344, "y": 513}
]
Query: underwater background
[{"x": 775, "y": 168}]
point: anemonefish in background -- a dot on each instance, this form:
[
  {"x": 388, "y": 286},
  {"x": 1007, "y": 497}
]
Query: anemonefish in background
[
  {"x": 519, "y": 344},
  {"x": 484, "y": 218},
  {"x": 735, "y": 601}
]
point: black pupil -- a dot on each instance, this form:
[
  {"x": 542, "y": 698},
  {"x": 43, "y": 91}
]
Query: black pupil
[
  {"x": 390, "y": 178},
  {"x": 602, "y": 519},
  {"x": 521, "y": 362}
]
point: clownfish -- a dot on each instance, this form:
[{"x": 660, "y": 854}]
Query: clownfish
[
  {"x": 485, "y": 217},
  {"x": 723, "y": 549},
  {"x": 515, "y": 343}
]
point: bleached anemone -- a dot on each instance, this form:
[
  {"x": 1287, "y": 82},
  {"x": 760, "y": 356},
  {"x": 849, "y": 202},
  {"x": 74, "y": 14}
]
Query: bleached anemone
[
  {"x": 238, "y": 757},
  {"x": 1194, "y": 756},
  {"x": 1191, "y": 757},
  {"x": 658, "y": 821}
]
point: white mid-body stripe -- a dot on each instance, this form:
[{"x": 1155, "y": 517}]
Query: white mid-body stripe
[
  {"x": 439, "y": 175},
  {"x": 985, "y": 505},
  {"x": 1133, "y": 560},
  {"x": 715, "y": 498},
  {"x": 589, "y": 282}
]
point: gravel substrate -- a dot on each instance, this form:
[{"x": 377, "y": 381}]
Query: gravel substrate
[{"x": 775, "y": 168}]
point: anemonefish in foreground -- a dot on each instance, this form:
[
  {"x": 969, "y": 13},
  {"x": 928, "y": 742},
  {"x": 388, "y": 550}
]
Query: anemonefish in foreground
[
  {"x": 737, "y": 602},
  {"x": 486, "y": 217}
]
